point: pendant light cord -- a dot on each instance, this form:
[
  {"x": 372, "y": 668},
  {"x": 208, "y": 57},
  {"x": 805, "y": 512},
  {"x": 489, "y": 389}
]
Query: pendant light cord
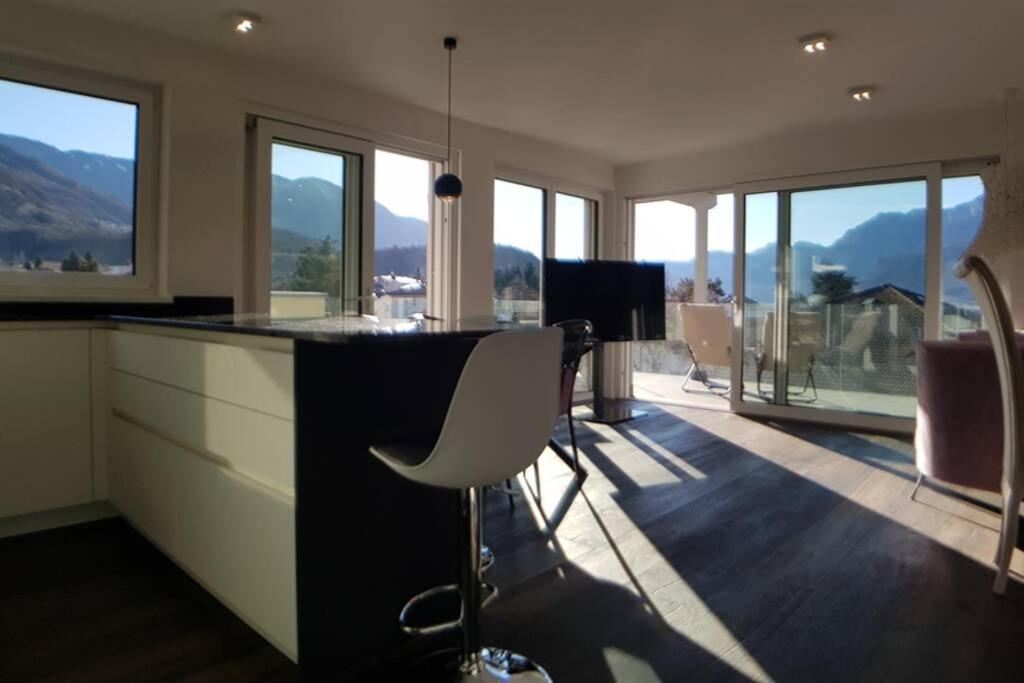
[{"x": 450, "y": 108}]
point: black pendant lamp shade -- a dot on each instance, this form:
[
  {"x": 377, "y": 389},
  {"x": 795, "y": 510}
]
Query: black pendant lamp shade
[{"x": 448, "y": 186}]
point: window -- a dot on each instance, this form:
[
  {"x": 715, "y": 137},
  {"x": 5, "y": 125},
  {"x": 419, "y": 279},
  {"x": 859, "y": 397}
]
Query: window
[
  {"x": 692, "y": 234},
  {"x": 835, "y": 297},
  {"x": 310, "y": 192},
  {"x": 519, "y": 231},
  {"x": 963, "y": 201},
  {"x": 575, "y": 227},
  {"x": 665, "y": 232},
  {"x": 76, "y": 183},
  {"x": 403, "y": 207}
]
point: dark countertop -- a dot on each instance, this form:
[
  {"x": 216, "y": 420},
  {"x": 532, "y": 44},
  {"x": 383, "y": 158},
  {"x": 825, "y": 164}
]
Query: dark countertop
[{"x": 340, "y": 329}]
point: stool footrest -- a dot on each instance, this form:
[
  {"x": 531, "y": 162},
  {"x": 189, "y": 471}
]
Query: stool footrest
[{"x": 403, "y": 618}]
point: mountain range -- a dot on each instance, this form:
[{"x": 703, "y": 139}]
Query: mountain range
[
  {"x": 887, "y": 248},
  {"x": 53, "y": 201},
  {"x": 46, "y": 214}
]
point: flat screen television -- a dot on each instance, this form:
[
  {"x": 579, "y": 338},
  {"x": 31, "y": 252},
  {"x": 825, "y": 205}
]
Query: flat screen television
[{"x": 625, "y": 301}]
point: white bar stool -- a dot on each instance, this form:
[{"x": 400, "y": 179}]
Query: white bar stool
[{"x": 500, "y": 418}]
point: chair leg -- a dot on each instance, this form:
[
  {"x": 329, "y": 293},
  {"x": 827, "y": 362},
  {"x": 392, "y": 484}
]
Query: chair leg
[
  {"x": 920, "y": 480},
  {"x": 536, "y": 476},
  {"x": 689, "y": 374},
  {"x": 475, "y": 662},
  {"x": 511, "y": 498},
  {"x": 1007, "y": 537},
  {"x": 575, "y": 449}
]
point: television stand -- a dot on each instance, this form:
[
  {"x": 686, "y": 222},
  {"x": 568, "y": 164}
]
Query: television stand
[{"x": 606, "y": 411}]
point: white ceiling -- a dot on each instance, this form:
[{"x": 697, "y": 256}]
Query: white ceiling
[{"x": 628, "y": 81}]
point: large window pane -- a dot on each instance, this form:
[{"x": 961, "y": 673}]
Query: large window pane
[
  {"x": 307, "y": 230},
  {"x": 665, "y": 232},
  {"x": 856, "y": 296},
  {"x": 963, "y": 201},
  {"x": 403, "y": 205},
  {"x": 575, "y": 218},
  {"x": 67, "y": 181},
  {"x": 518, "y": 249}
]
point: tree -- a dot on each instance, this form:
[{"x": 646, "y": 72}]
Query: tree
[
  {"x": 683, "y": 291},
  {"x": 318, "y": 269},
  {"x": 74, "y": 264},
  {"x": 831, "y": 284},
  {"x": 27, "y": 265},
  {"x": 89, "y": 264},
  {"x": 71, "y": 264},
  {"x": 38, "y": 263}
]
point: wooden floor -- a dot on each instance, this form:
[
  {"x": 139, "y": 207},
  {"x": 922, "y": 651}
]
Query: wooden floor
[{"x": 704, "y": 546}]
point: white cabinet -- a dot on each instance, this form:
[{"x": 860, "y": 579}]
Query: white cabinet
[{"x": 45, "y": 420}]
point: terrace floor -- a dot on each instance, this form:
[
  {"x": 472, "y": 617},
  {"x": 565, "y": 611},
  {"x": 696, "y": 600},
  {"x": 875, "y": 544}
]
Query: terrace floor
[{"x": 661, "y": 388}]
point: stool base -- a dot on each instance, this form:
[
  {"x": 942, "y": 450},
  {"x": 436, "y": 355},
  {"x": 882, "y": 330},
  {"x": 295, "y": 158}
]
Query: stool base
[{"x": 496, "y": 665}]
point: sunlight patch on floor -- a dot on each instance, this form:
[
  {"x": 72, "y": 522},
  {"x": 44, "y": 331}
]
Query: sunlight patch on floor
[{"x": 650, "y": 444}]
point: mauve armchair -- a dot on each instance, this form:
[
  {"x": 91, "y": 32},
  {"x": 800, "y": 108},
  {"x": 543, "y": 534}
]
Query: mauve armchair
[{"x": 959, "y": 438}]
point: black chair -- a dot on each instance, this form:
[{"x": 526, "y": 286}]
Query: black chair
[{"x": 578, "y": 340}]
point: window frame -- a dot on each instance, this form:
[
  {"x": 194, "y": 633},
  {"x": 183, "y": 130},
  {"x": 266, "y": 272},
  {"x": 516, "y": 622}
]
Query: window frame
[
  {"x": 551, "y": 188},
  {"x": 442, "y": 241},
  {"x": 149, "y": 258},
  {"x": 931, "y": 173}
]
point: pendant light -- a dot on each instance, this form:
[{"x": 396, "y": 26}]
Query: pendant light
[{"x": 448, "y": 186}]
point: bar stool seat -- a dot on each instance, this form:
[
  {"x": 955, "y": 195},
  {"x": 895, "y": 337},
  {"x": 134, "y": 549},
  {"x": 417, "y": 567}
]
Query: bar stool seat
[{"x": 502, "y": 412}]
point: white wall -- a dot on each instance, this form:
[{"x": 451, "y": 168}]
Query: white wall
[{"x": 207, "y": 94}]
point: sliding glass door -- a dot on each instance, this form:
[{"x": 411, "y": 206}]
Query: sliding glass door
[{"x": 836, "y": 285}]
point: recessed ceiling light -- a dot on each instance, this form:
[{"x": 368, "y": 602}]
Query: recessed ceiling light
[
  {"x": 862, "y": 93},
  {"x": 246, "y": 23},
  {"x": 813, "y": 44}
]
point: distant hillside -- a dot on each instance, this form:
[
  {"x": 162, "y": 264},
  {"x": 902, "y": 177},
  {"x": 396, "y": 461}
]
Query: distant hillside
[
  {"x": 100, "y": 173},
  {"x": 44, "y": 214},
  {"x": 312, "y": 207}
]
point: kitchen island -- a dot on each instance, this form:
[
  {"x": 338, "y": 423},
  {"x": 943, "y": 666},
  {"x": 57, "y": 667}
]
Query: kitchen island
[{"x": 239, "y": 446}]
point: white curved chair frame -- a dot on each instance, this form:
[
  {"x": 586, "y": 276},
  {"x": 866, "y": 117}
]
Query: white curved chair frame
[{"x": 986, "y": 290}]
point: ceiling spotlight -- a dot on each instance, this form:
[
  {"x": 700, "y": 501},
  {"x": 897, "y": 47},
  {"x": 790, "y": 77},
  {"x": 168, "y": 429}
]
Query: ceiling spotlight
[
  {"x": 815, "y": 43},
  {"x": 246, "y": 23},
  {"x": 862, "y": 93}
]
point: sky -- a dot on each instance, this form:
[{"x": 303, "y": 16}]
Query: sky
[{"x": 68, "y": 121}]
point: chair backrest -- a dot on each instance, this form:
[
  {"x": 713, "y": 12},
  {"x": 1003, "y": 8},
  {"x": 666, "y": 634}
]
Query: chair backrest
[
  {"x": 804, "y": 340},
  {"x": 502, "y": 413},
  {"x": 708, "y": 332},
  {"x": 862, "y": 331}
]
